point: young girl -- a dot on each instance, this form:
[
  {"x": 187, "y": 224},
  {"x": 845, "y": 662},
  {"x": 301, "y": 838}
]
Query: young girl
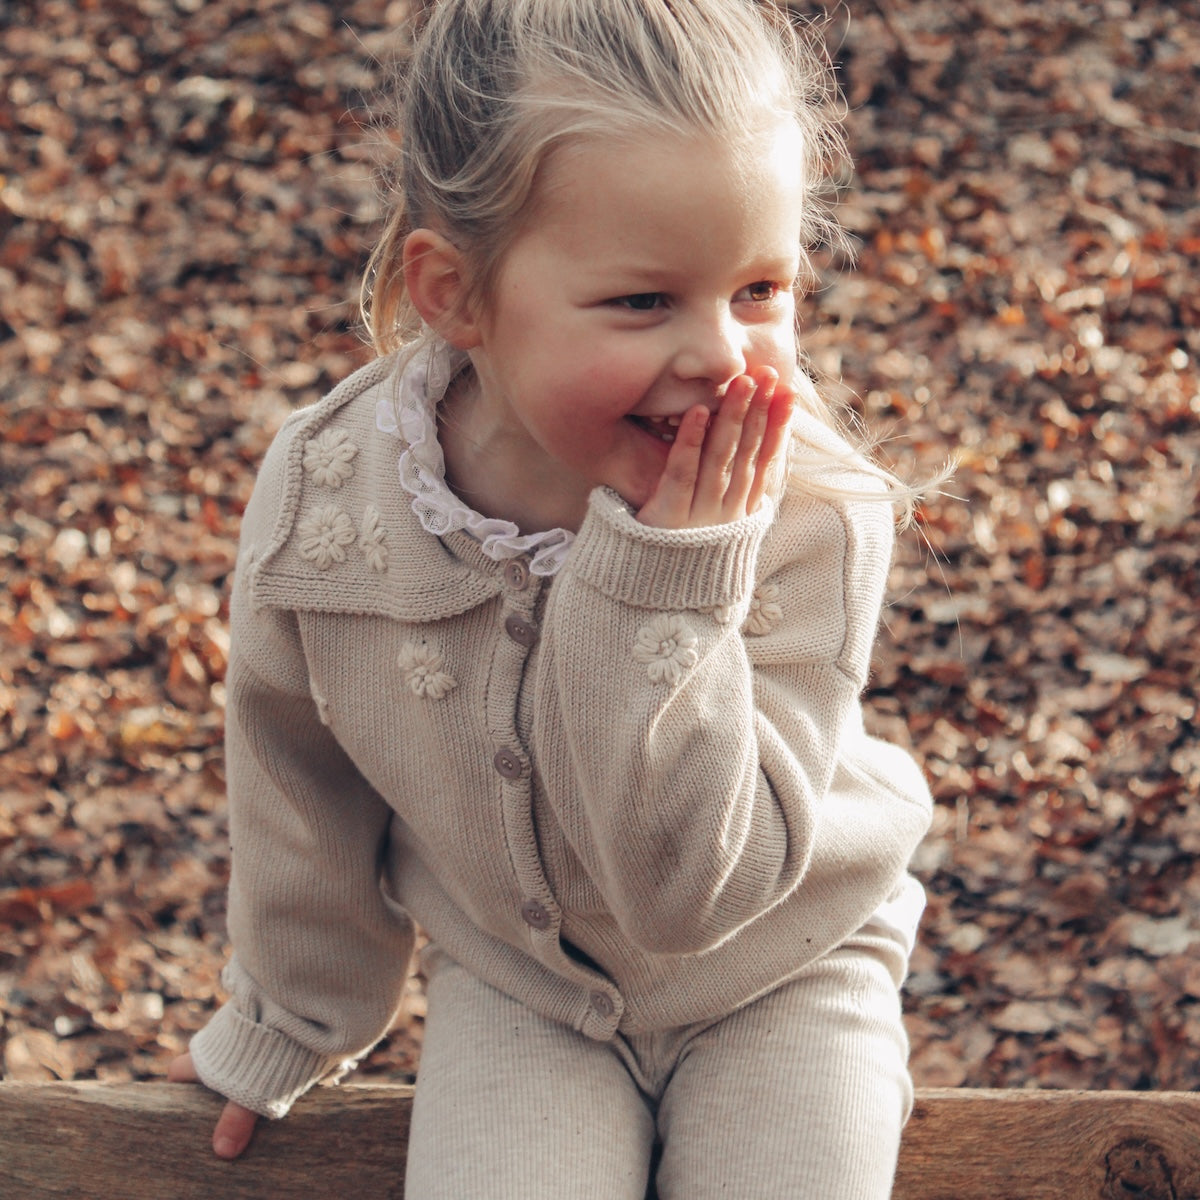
[{"x": 542, "y": 642}]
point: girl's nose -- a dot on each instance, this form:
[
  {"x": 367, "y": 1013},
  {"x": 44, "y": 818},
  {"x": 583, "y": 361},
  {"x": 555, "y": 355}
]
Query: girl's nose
[{"x": 713, "y": 350}]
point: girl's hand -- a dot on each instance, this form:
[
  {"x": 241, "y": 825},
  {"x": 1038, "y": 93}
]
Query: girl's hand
[
  {"x": 720, "y": 464},
  {"x": 236, "y": 1124}
]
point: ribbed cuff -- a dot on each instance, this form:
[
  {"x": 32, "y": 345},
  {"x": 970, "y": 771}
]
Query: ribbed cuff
[
  {"x": 259, "y": 1067},
  {"x": 666, "y": 568}
]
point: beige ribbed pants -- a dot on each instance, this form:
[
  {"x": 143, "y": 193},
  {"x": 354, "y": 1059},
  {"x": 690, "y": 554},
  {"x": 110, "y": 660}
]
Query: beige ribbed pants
[{"x": 800, "y": 1095}]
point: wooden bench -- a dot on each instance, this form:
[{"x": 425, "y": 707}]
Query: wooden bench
[{"x": 149, "y": 1141}]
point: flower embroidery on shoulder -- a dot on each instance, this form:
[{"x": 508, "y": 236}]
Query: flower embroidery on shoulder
[
  {"x": 667, "y": 648},
  {"x": 421, "y": 666},
  {"x": 328, "y": 457},
  {"x": 764, "y": 609},
  {"x": 370, "y": 540},
  {"x": 324, "y": 536}
]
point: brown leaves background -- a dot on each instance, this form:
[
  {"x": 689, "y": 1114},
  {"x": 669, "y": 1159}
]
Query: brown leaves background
[{"x": 185, "y": 206}]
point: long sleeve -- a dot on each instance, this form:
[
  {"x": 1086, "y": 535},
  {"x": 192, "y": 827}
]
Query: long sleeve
[
  {"x": 690, "y": 761},
  {"x": 320, "y": 958}
]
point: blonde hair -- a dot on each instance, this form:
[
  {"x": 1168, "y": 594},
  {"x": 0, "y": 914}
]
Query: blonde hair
[{"x": 490, "y": 88}]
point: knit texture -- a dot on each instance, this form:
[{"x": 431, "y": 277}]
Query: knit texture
[{"x": 634, "y": 796}]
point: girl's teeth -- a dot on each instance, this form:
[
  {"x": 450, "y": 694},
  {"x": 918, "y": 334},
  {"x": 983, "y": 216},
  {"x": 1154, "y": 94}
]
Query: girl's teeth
[{"x": 663, "y": 428}]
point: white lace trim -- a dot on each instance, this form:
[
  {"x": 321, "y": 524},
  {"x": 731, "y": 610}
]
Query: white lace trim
[{"x": 412, "y": 415}]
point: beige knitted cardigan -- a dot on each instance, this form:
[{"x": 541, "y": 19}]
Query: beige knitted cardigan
[{"x": 633, "y": 797}]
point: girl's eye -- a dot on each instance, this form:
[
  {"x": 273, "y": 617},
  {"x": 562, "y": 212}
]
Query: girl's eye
[
  {"x": 640, "y": 301},
  {"x": 762, "y": 291}
]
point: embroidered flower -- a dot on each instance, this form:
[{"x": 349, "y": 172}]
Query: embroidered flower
[
  {"x": 421, "y": 665},
  {"x": 324, "y": 536},
  {"x": 370, "y": 540},
  {"x": 327, "y": 457},
  {"x": 667, "y": 647},
  {"x": 764, "y": 609}
]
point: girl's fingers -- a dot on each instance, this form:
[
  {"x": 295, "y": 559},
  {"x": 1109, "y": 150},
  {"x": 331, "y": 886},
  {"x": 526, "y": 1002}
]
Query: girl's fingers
[
  {"x": 181, "y": 1070},
  {"x": 720, "y": 466},
  {"x": 235, "y": 1127},
  {"x": 772, "y": 453},
  {"x": 748, "y": 461},
  {"x": 670, "y": 506},
  {"x": 721, "y": 450}
]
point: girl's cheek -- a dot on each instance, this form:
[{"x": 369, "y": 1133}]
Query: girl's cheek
[{"x": 779, "y": 353}]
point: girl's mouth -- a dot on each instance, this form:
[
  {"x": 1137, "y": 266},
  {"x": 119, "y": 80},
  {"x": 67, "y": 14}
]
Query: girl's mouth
[{"x": 663, "y": 428}]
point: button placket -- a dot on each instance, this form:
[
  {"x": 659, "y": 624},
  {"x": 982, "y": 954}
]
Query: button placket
[
  {"x": 510, "y": 655},
  {"x": 535, "y": 915},
  {"x": 516, "y": 574},
  {"x": 508, "y": 763},
  {"x": 602, "y": 1004},
  {"x": 523, "y": 632}
]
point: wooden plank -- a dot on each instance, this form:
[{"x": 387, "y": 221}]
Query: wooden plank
[
  {"x": 1045, "y": 1145},
  {"x": 149, "y": 1141}
]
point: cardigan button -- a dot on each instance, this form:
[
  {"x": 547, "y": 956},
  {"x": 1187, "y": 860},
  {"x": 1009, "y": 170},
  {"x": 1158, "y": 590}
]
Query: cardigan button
[
  {"x": 535, "y": 915},
  {"x": 520, "y": 630},
  {"x": 603, "y": 1004},
  {"x": 516, "y": 574},
  {"x": 507, "y": 763}
]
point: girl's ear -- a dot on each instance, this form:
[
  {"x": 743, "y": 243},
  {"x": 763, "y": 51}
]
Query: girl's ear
[{"x": 434, "y": 275}]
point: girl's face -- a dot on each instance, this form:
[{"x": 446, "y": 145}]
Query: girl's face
[{"x": 649, "y": 275}]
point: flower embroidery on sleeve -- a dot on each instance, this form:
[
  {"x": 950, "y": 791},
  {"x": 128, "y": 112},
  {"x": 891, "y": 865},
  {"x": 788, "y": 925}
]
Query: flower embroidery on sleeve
[
  {"x": 328, "y": 456},
  {"x": 324, "y": 536},
  {"x": 370, "y": 540},
  {"x": 764, "y": 609},
  {"x": 667, "y": 648},
  {"x": 421, "y": 666}
]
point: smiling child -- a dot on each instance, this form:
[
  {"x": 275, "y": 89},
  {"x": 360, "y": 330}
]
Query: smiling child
[{"x": 550, "y": 628}]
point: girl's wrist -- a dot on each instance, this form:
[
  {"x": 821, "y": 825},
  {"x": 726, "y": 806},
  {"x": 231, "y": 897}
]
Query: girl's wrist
[{"x": 691, "y": 568}]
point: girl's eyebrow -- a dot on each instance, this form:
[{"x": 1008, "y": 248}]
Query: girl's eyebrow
[
  {"x": 634, "y": 279},
  {"x": 625, "y": 278}
]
